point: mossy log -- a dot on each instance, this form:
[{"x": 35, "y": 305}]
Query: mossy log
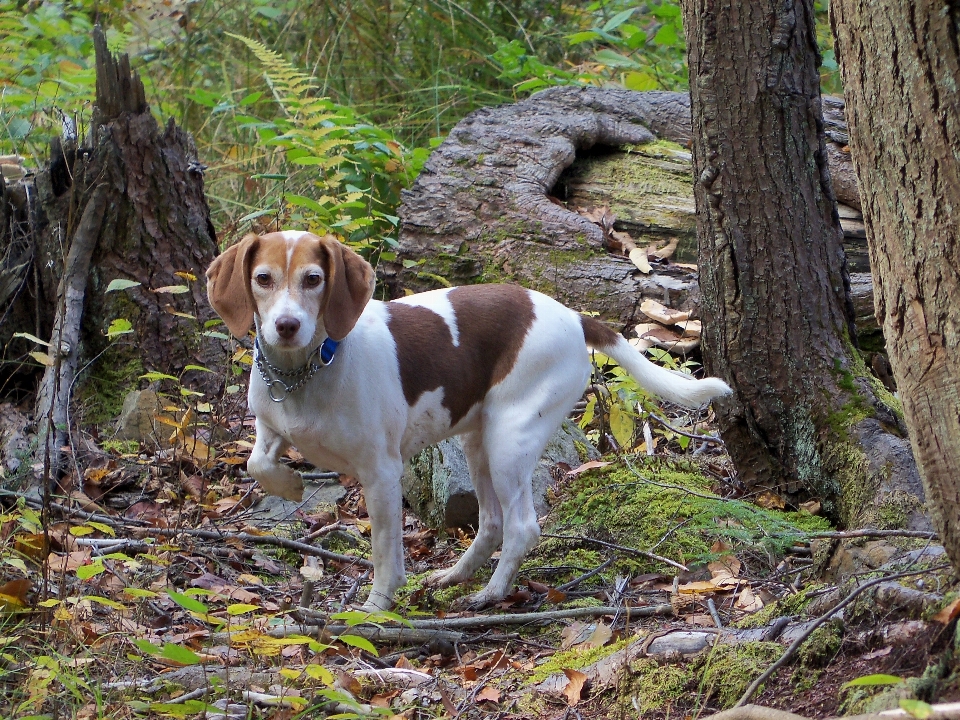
[
  {"x": 502, "y": 197},
  {"x": 154, "y": 230}
]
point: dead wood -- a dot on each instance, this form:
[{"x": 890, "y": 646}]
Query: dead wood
[
  {"x": 153, "y": 223},
  {"x": 500, "y": 200},
  {"x": 945, "y": 711}
]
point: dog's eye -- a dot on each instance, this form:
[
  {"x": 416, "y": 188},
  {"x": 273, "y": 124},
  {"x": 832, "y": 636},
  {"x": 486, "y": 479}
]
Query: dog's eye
[
  {"x": 263, "y": 279},
  {"x": 312, "y": 280}
]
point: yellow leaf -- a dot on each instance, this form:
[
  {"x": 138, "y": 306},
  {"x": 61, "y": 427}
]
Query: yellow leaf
[
  {"x": 186, "y": 275},
  {"x": 621, "y": 425},
  {"x": 42, "y": 358},
  {"x": 639, "y": 258}
]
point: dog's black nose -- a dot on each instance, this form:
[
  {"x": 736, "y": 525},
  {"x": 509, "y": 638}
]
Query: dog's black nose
[{"x": 287, "y": 326}]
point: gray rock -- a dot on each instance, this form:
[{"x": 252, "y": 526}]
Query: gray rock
[
  {"x": 272, "y": 509},
  {"x": 436, "y": 483},
  {"x": 138, "y": 419}
]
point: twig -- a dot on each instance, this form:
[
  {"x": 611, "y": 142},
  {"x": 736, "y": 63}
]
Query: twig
[
  {"x": 482, "y": 621},
  {"x": 712, "y": 607},
  {"x": 261, "y": 540},
  {"x": 693, "y": 436},
  {"x": 622, "y": 548},
  {"x": 867, "y": 532},
  {"x": 791, "y": 651},
  {"x": 587, "y": 575},
  {"x": 354, "y": 589}
]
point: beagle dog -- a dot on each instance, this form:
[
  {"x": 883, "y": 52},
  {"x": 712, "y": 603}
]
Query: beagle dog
[{"x": 360, "y": 386}]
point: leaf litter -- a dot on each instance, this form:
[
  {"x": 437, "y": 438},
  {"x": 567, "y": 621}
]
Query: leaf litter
[{"x": 138, "y": 600}]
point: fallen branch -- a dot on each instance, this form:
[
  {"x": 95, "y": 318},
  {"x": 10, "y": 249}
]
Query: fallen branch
[
  {"x": 867, "y": 532},
  {"x": 945, "y": 711},
  {"x": 483, "y": 621},
  {"x": 260, "y": 540},
  {"x": 791, "y": 651},
  {"x": 622, "y": 548},
  {"x": 372, "y": 633}
]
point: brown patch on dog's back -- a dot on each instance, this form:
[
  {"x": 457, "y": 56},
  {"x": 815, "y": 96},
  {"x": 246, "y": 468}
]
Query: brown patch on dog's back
[
  {"x": 597, "y": 334},
  {"x": 492, "y": 322}
]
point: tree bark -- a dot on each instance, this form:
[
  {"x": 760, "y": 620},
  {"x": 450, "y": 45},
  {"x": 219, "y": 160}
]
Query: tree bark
[
  {"x": 806, "y": 419},
  {"x": 900, "y": 64},
  {"x": 155, "y": 224},
  {"x": 489, "y": 204}
]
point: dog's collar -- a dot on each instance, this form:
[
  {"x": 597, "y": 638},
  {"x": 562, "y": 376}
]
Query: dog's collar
[{"x": 282, "y": 383}]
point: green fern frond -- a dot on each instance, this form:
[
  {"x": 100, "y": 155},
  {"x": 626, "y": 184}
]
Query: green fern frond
[{"x": 288, "y": 82}]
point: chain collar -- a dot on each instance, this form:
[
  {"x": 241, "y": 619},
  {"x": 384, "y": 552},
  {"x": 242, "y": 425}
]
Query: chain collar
[{"x": 282, "y": 383}]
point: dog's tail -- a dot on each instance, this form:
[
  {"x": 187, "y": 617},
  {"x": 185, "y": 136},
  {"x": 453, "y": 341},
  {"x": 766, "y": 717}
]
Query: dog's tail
[{"x": 673, "y": 386}]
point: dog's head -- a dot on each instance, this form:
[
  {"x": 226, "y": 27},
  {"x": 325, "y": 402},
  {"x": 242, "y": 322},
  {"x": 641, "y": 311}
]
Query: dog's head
[{"x": 292, "y": 281}]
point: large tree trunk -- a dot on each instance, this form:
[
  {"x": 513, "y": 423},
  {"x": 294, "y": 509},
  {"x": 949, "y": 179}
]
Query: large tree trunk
[
  {"x": 805, "y": 417},
  {"x": 901, "y": 67},
  {"x": 154, "y": 223}
]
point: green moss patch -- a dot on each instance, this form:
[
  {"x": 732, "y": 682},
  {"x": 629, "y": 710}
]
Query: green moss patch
[{"x": 664, "y": 506}]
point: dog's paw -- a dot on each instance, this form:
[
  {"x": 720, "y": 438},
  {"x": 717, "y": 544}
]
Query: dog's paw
[
  {"x": 376, "y": 602},
  {"x": 282, "y": 481},
  {"x": 441, "y": 579},
  {"x": 473, "y": 602}
]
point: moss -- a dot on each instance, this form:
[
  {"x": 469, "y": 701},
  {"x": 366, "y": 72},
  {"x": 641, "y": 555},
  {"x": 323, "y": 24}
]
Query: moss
[
  {"x": 822, "y": 646},
  {"x": 574, "y": 659},
  {"x": 101, "y": 392},
  {"x": 719, "y": 677},
  {"x": 641, "y": 508},
  {"x": 789, "y": 605},
  {"x": 122, "y": 447}
]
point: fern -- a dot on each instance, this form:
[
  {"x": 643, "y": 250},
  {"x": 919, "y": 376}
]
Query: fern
[{"x": 354, "y": 169}]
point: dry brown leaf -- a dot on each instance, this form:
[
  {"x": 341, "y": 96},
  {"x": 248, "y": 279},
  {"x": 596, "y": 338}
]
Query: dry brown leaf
[
  {"x": 699, "y": 588},
  {"x": 488, "y": 694},
  {"x": 666, "y": 252},
  {"x": 600, "y": 637},
  {"x": 770, "y": 501},
  {"x": 748, "y": 601},
  {"x": 572, "y": 634},
  {"x": 575, "y": 682},
  {"x": 589, "y": 465},
  {"x": 638, "y": 257},
  {"x": 448, "y": 704},
  {"x": 13, "y": 594},
  {"x": 661, "y": 313},
  {"x": 949, "y": 613},
  {"x": 555, "y": 596},
  {"x": 812, "y": 506},
  {"x": 700, "y": 620}
]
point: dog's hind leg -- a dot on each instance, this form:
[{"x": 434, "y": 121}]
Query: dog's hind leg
[{"x": 490, "y": 532}]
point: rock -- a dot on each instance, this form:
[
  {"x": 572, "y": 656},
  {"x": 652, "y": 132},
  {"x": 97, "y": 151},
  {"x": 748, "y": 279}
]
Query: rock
[
  {"x": 437, "y": 486},
  {"x": 272, "y": 509},
  {"x": 14, "y": 439},
  {"x": 138, "y": 419}
]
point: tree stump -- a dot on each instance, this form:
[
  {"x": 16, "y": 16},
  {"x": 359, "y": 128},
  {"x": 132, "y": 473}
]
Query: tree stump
[
  {"x": 152, "y": 227},
  {"x": 502, "y": 199}
]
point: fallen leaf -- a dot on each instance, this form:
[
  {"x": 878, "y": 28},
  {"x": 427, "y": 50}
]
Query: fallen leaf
[
  {"x": 600, "y": 637},
  {"x": 488, "y": 694},
  {"x": 667, "y": 251},
  {"x": 749, "y": 601},
  {"x": 13, "y": 594},
  {"x": 661, "y": 313},
  {"x": 448, "y": 704},
  {"x": 589, "y": 465},
  {"x": 882, "y": 652},
  {"x": 538, "y": 587},
  {"x": 949, "y": 613},
  {"x": 770, "y": 501},
  {"x": 700, "y": 620},
  {"x": 699, "y": 588},
  {"x": 574, "y": 688},
  {"x": 555, "y": 596},
  {"x": 638, "y": 257},
  {"x": 812, "y": 506}
]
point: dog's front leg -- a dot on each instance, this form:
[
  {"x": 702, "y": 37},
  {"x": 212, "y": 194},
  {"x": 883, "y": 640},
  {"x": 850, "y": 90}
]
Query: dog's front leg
[
  {"x": 381, "y": 490},
  {"x": 265, "y": 467}
]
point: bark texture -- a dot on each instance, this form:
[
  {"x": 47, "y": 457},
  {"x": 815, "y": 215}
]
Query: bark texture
[
  {"x": 901, "y": 68},
  {"x": 155, "y": 224},
  {"x": 481, "y": 210},
  {"x": 805, "y": 418}
]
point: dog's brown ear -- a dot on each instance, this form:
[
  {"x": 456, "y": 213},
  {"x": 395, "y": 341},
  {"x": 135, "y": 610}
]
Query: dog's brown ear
[
  {"x": 350, "y": 281},
  {"x": 228, "y": 285}
]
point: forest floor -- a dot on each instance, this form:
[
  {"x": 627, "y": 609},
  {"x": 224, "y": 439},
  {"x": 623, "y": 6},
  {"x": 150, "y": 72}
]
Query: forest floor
[{"x": 162, "y": 583}]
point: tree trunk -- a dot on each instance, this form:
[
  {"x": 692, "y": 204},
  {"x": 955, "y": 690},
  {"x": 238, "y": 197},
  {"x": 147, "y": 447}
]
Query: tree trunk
[
  {"x": 155, "y": 230},
  {"x": 806, "y": 417},
  {"x": 901, "y": 64}
]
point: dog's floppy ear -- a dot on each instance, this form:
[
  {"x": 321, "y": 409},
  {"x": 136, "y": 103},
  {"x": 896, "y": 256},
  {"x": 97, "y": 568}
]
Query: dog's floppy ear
[
  {"x": 350, "y": 281},
  {"x": 228, "y": 285}
]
